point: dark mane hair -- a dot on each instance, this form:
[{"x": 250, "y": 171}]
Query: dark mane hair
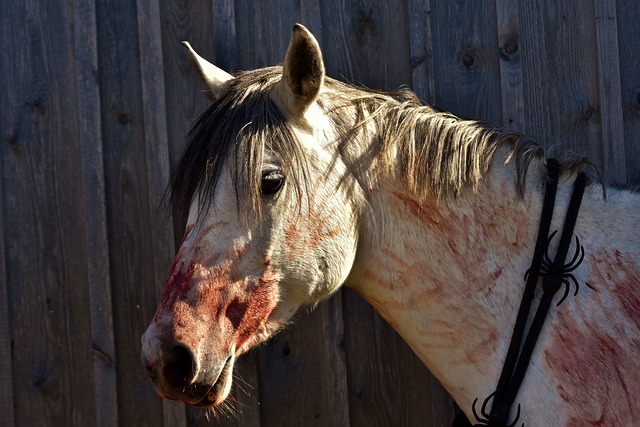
[
  {"x": 440, "y": 154},
  {"x": 240, "y": 124}
]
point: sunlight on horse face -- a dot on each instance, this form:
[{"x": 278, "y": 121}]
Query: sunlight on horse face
[{"x": 234, "y": 281}]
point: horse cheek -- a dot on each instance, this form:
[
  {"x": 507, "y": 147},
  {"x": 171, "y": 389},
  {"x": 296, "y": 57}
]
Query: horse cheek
[{"x": 261, "y": 303}]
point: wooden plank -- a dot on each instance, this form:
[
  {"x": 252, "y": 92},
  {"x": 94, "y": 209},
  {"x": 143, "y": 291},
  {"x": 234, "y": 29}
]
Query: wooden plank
[
  {"x": 510, "y": 65},
  {"x": 8, "y": 140},
  {"x": 191, "y": 21},
  {"x": 131, "y": 209},
  {"x": 225, "y": 38},
  {"x": 610, "y": 108},
  {"x": 229, "y": 56},
  {"x": 561, "y": 83},
  {"x": 43, "y": 233},
  {"x": 6, "y": 359},
  {"x": 264, "y": 31},
  {"x": 157, "y": 157},
  {"x": 421, "y": 50},
  {"x": 443, "y": 408},
  {"x": 367, "y": 42},
  {"x": 378, "y": 362},
  {"x": 467, "y": 68},
  {"x": 311, "y": 17},
  {"x": 628, "y": 16},
  {"x": 303, "y": 374},
  {"x": 95, "y": 214}
]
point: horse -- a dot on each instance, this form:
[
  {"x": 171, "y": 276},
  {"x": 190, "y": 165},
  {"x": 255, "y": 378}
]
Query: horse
[{"x": 293, "y": 184}]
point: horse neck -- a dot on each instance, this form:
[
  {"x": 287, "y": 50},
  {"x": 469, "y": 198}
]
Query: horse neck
[{"x": 447, "y": 275}]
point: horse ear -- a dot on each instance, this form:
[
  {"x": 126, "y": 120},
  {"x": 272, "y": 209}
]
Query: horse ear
[
  {"x": 303, "y": 70},
  {"x": 213, "y": 77}
]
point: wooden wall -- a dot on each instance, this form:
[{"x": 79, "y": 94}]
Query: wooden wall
[{"x": 95, "y": 100}]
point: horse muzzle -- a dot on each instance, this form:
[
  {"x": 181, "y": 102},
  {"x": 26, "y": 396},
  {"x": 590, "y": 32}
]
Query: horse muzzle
[{"x": 178, "y": 373}]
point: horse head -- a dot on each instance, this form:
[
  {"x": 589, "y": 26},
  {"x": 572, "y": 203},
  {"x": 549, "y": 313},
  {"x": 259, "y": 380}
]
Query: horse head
[{"x": 269, "y": 226}]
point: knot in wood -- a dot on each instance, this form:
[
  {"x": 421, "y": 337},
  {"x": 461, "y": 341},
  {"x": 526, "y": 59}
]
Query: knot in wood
[
  {"x": 509, "y": 49},
  {"x": 124, "y": 118},
  {"x": 468, "y": 61},
  {"x": 511, "y": 46}
]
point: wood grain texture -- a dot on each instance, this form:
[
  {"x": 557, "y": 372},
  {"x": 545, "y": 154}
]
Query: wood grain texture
[
  {"x": 225, "y": 35},
  {"x": 628, "y": 16},
  {"x": 559, "y": 54},
  {"x": 191, "y": 21},
  {"x": 8, "y": 139},
  {"x": 609, "y": 90},
  {"x": 467, "y": 71},
  {"x": 6, "y": 360},
  {"x": 133, "y": 254},
  {"x": 388, "y": 385},
  {"x": 157, "y": 159},
  {"x": 419, "y": 16},
  {"x": 95, "y": 214},
  {"x": 45, "y": 253},
  {"x": 303, "y": 373},
  {"x": 443, "y": 408},
  {"x": 264, "y": 31},
  {"x": 367, "y": 43},
  {"x": 511, "y": 83},
  {"x": 97, "y": 99},
  {"x": 311, "y": 17}
]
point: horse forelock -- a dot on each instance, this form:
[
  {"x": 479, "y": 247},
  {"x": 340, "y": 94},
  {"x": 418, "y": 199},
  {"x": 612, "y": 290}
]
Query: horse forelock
[{"x": 240, "y": 124}]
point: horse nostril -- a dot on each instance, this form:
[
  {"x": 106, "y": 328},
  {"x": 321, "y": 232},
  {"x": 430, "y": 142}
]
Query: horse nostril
[{"x": 178, "y": 368}]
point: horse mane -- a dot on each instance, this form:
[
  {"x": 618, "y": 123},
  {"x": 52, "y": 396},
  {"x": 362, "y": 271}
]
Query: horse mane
[{"x": 440, "y": 154}]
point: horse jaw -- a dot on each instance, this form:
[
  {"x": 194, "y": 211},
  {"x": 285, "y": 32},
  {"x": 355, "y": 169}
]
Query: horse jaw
[{"x": 213, "y": 77}]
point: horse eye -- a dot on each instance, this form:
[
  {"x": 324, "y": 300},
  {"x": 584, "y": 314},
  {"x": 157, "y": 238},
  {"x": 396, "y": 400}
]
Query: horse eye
[{"x": 272, "y": 182}]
